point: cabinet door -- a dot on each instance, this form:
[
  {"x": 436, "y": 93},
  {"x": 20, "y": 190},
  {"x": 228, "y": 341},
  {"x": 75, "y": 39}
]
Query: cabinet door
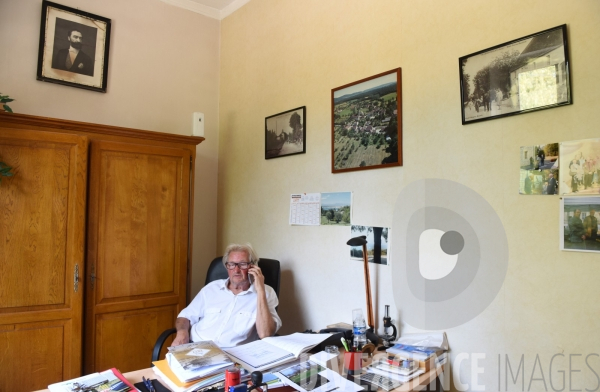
[
  {"x": 42, "y": 235},
  {"x": 137, "y": 250}
]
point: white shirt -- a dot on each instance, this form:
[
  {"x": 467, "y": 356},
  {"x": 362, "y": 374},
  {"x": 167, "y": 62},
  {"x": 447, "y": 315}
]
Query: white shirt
[{"x": 225, "y": 318}]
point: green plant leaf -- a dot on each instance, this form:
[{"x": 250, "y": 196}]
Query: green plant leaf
[
  {"x": 6, "y": 99},
  {"x": 7, "y": 108},
  {"x": 8, "y": 174},
  {"x": 5, "y": 170}
]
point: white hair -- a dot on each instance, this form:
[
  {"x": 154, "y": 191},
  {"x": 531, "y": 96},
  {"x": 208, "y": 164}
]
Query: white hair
[{"x": 247, "y": 248}]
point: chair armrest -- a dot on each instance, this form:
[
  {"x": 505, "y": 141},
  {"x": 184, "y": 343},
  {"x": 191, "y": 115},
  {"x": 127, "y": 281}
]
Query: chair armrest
[{"x": 160, "y": 342}]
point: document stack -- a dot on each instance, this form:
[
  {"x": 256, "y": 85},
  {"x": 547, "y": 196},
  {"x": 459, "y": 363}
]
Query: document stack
[
  {"x": 193, "y": 366},
  {"x": 411, "y": 356}
]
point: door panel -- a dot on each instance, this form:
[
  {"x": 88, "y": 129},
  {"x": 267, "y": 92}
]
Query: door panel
[
  {"x": 120, "y": 334},
  {"x": 137, "y": 250},
  {"x": 42, "y": 233},
  {"x": 29, "y": 346}
]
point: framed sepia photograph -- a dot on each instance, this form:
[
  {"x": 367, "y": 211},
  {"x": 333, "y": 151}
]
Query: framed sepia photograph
[
  {"x": 73, "y": 47},
  {"x": 580, "y": 165},
  {"x": 579, "y": 223},
  {"x": 520, "y": 76},
  {"x": 366, "y": 123},
  {"x": 285, "y": 133}
]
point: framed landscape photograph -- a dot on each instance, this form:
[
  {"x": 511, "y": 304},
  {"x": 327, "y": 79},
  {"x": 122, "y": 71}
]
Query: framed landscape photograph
[
  {"x": 285, "y": 133},
  {"x": 520, "y": 76},
  {"x": 73, "y": 47},
  {"x": 366, "y": 123}
]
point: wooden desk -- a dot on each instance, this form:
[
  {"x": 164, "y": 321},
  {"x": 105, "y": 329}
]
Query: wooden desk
[{"x": 418, "y": 383}]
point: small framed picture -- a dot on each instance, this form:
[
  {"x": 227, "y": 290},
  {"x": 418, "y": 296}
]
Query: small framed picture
[
  {"x": 366, "y": 123},
  {"x": 73, "y": 47},
  {"x": 285, "y": 133},
  {"x": 579, "y": 223},
  {"x": 526, "y": 74}
]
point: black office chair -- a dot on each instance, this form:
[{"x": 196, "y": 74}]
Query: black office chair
[{"x": 270, "y": 268}]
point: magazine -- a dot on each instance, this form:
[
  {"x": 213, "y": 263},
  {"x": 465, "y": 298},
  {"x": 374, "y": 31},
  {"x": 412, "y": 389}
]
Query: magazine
[{"x": 196, "y": 360}]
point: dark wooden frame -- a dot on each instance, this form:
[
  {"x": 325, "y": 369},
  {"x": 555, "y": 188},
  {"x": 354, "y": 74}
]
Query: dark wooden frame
[
  {"x": 545, "y": 44},
  {"x": 397, "y": 149},
  {"x": 46, "y": 46},
  {"x": 268, "y": 153}
]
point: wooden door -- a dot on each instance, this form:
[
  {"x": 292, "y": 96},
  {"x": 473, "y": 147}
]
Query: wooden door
[
  {"x": 42, "y": 237},
  {"x": 137, "y": 250}
]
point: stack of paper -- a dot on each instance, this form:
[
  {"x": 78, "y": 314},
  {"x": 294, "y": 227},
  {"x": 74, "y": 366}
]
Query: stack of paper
[
  {"x": 194, "y": 361},
  {"x": 162, "y": 370}
]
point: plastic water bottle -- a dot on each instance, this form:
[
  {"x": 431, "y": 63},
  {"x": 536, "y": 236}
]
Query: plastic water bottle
[{"x": 359, "y": 329}]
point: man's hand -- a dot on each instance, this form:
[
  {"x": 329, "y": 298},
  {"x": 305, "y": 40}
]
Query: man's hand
[
  {"x": 259, "y": 278},
  {"x": 183, "y": 331},
  {"x": 182, "y": 337}
]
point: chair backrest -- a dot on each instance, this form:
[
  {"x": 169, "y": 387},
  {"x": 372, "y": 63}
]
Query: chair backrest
[{"x": 270, "y": 268}]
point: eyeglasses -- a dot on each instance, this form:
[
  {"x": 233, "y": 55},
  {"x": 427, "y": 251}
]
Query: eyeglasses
[{"x": 231, "y": 265}]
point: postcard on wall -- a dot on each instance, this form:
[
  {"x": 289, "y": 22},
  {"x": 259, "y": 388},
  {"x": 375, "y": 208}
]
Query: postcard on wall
[
  {"x": 579, "y": 223},
  {"x": 305, "y": 209},
  {"x": 336, "y": 208},
  {"x": 539, "y": 170},
  {"x": 580, "y": 165},
  {"x": 378, "y": 249}
]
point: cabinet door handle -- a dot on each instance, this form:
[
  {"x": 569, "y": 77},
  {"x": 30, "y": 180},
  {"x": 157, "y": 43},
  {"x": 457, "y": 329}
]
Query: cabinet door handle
[{"x": 76, "y": 278}]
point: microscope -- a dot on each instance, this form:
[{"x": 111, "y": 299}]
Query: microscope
[{"x": 387, "y": 338}]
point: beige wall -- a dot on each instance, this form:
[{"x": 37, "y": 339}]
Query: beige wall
[
  {"x": 281, "y": 54},
  {"x": 163, "y": 66}
]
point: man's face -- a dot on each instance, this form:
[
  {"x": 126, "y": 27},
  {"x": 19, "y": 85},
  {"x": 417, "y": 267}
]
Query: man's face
[
  {"x": 577, "y": 213},
  {"x": 75, "y": 39},
  {"x": 592, "y": 212},
  {"x": 238, "y": 275},
  {"x": 550, "y": 175}
]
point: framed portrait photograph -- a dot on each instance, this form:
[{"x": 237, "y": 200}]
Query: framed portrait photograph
[
  {"x": 366, "y": 123},
  {"x": 526, "y": 74},
  {"x": 285, "y": 133},
  {"x": 580, "y": 165},
  {"x": 579, "y": 223},
  {"x": 73, "y": 47}
]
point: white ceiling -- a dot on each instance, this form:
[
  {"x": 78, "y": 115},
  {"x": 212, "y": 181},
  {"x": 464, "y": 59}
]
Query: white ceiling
[{"x": 217, "y": 9}]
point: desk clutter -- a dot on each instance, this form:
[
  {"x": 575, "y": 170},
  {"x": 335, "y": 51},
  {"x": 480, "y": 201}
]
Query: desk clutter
[
  {"x": 109, "y": 380},
  {"x": 276, "y": 362}
]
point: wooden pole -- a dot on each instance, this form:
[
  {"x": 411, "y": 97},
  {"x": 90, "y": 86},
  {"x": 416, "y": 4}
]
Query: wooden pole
[{"x": 370, "y": 321}]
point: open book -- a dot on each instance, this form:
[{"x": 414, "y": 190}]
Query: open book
[{"x": 269, "y": 352}]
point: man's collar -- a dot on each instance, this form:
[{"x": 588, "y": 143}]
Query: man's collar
[{"x": 224, "y": 284}]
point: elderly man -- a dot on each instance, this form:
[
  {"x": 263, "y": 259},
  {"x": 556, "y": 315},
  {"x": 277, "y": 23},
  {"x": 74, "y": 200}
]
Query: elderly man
[
  {"x": 577, "y": 233},
  {"x": 590, "y": 225},
  {"x": 231, "y": 311}
]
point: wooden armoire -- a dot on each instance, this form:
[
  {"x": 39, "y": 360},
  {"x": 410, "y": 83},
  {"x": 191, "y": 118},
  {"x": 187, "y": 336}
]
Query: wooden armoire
[{"x": 95, "y": 229}]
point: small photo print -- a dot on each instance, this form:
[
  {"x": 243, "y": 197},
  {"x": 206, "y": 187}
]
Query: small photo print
[
  {"x": 377, "y": 244},
  {"x": 579, "y": 223},
  {"x": 539, "y": 169},
  {"x": 580, "y": 165},
  {"x": 336, "y": 208}
]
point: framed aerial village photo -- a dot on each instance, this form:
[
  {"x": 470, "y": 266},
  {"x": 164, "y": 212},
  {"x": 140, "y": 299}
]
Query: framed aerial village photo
[
  {"x": 285, "y": 133},
  {"x": 366, "y": 123},
  {"x": 73, "y": 47},
  {"x": 520, "y": 76}
]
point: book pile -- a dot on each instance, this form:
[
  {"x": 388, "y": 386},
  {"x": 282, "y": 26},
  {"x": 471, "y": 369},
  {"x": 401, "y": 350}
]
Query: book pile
[
  {"x": 411, "y": 356},
  {"x": 109, "y": 380},
  {"x": 194, "y": 366}
]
